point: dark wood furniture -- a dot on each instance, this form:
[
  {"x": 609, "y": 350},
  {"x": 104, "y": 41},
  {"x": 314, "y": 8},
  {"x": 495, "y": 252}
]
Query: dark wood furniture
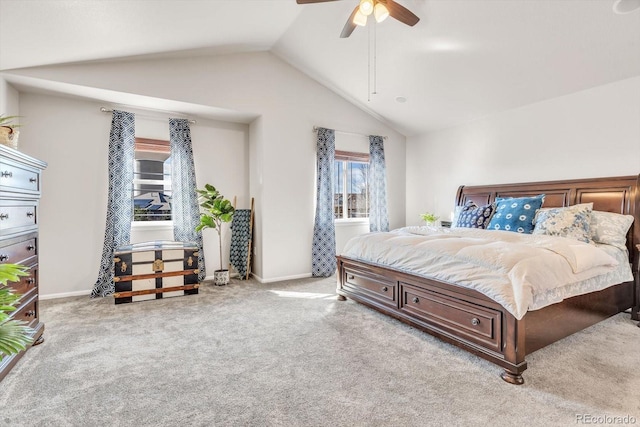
[
  {"x": 476, "y": 323},
  {"x": 19, "y": 196},
  {"x": 155, "y": 270}
]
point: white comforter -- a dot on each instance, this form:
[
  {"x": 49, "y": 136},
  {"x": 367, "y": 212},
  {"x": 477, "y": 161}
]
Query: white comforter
[{"x": 521, "y": 272}]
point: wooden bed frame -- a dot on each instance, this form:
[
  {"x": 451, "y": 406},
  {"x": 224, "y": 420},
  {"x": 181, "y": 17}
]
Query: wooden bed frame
[{"x": 478, "y": 324}]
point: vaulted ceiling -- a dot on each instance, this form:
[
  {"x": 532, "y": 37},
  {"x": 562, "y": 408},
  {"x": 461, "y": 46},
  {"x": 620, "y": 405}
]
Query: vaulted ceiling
[{"x": 465, "y": 59}]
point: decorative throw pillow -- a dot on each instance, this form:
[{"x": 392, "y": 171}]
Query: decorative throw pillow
[
  {"x": 473, "y": 216},
  {"x": 573, "y": 222},
  {"x": 610, "y": 228},
  {"x": 516, "y": 214}
]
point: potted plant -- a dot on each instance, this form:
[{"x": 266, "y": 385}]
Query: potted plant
[
  {"x": 14, "y": 334},
  {"x": 8, "y": 132},
  {"x": 217, "y": 210},
  {"x": 429, "y": 218}
]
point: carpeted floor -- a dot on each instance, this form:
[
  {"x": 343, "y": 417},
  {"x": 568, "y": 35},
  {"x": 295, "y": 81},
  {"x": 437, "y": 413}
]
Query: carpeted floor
[{"x": 289, "y": 354}]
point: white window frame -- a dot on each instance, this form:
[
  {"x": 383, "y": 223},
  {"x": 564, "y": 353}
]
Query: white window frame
[
  {"x": 158, "y": 146},
  {"x": 347, "y": 157}
]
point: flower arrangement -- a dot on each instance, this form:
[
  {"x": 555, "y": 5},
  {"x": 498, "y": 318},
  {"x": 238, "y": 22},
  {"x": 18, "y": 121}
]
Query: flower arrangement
[{"x": 429, "y": 218}]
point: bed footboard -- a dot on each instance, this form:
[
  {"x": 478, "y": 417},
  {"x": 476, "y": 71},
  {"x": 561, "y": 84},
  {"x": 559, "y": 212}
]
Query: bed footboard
[{"x": 457, "y": 315}]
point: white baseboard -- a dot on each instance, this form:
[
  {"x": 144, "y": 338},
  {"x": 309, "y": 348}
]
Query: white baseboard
[
  {"x": 281, "y": 279},
  {"x": 64, "y": 295},
  {"x": 208, "y": 278}
]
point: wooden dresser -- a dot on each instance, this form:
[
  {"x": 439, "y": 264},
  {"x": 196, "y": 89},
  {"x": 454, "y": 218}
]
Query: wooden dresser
[{"x": 19, "y": 196}]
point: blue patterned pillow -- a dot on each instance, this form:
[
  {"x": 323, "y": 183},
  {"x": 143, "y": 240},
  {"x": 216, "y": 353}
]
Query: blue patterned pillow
[
  {"x": 573, "y": 222},
  {"x": 516, "y": 214},
  {"x": 473, "y": 216}
]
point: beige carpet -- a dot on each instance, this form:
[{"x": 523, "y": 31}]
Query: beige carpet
[{"x": 289, "y": 354}]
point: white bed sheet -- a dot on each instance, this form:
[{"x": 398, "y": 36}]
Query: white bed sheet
[{"x": 520, "y": 271}]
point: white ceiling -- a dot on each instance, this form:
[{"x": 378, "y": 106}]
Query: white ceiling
[{"x": 465, "y": 59}]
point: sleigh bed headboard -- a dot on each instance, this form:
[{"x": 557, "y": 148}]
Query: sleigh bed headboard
[{"x": 620, "y": 194}]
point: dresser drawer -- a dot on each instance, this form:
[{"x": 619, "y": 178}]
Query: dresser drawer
[
  {"x": 27, "y": 311},
  {"x": 27, "y": 283},
  {"x": 463, "y": 319},
  {"x": 18, "y": 178},
  {"x": 369, "y": 285},
  {"x": 18, "y": 253},
  {"x": 17, "y": 216}
]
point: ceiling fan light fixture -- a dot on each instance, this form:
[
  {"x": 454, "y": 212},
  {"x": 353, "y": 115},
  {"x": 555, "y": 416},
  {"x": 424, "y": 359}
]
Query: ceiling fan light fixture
[
  {"x": 380, "y": 12},
  {"x": 622, "y": 7},
  {"x": 360, "y": 19},
  {"x": 366, "y": 7}
]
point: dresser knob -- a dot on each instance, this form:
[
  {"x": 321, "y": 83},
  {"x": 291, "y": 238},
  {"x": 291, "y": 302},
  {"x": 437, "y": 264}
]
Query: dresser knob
[
  {"x": 385, "y": 289},
  {"x": 416, "y": 300},
  {"x": 32, "y": 180},
  {"x": 4, "y": 216},
  {"x": 30, "y": 313},
  {"x": 475, "y": 321},
  {"x": 7, "y": 174},
  {"x": 30, "y": 248},
  {"x": 4, "y": 257},
  {"x": 29, "y": 214},
  {"x": 30, "y": 281},
  {"x": 350, "y": 277}
]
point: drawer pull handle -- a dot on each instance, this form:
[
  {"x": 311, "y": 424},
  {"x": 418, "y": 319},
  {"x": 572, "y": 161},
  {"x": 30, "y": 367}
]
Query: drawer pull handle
[
  {"x": 30, "y": 281},
  {"x": 7, "y": 174},
  {"x": 385, "y": 289},
  {"x": 4, "y": 257},
  {"x": 416, "y": 300},
  {"x": 350, "y": 277},
  {"x": 475, "y": 321},
  {"x": 30, "y": 248},
  {"x": 30, "y": 313},
  {"x": 29, "y": 214},
  {"x": 4, "y": 216},
  {"x": 33, "y": 180}
]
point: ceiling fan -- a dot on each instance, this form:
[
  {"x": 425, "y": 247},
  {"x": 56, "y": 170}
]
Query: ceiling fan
[{"x": 381, "y": 9}]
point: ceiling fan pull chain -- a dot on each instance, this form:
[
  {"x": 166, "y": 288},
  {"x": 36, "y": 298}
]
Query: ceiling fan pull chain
[
  {"x": 369, "y": 65},
  {"x": 375, "y": 57}
]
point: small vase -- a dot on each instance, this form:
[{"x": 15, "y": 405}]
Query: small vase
[{"x": 221, "y": 277}]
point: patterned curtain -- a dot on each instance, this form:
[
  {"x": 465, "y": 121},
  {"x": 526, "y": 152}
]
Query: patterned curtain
[
  {"x": 184, "y": 199},
  {"x": 323, "y": 254},
  {"x": 378, "y": 217},
  {"x": 119, "y": 206}
]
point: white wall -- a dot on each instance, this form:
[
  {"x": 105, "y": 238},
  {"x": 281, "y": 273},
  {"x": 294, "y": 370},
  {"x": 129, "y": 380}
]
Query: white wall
[
  {"x": 282, "y": 144},
  {"x": 592, "y": 133},
  {"x": 9, "y": 100},
  {"x": 72, "y": 136}
]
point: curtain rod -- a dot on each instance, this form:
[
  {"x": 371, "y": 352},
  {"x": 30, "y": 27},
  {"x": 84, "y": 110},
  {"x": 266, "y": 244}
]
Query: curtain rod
[
  {"x": 108, "y": 110},
  {"x": 315, "y": 129}
]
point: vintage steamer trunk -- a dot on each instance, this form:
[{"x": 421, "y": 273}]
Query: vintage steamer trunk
[{"x": 154, "y": 270}]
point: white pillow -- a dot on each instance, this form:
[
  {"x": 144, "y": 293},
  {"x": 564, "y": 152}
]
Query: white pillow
[
  {"x": 573, "y": 222},
  {"x": 610, "y": 228},
  {"x": 456, "y": 215}
]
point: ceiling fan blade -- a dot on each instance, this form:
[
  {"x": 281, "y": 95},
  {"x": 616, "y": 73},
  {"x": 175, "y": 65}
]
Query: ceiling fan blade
[
  {"x": 401, "y": 13},
  {"x": 312, "y": 1},
  {"x": 349, "y": 26}
]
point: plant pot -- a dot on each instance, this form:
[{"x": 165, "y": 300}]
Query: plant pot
[
  {"x": 9, "y": 137},
  {"x": 221, "y": 277}
]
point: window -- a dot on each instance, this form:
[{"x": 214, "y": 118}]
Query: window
[
  {"x": 351, "y": 193},
  {"x": 152, "y": 180}
]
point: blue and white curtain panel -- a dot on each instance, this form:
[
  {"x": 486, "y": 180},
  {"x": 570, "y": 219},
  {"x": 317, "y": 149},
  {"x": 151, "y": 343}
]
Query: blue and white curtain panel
[
  {"x": 119, "y": 205},
  {"x": 184, "y": 200},
  {"x": 378, "y": 216},
  {"x": 323, "y": 252},
  {"x": 240, "y": 242}
]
